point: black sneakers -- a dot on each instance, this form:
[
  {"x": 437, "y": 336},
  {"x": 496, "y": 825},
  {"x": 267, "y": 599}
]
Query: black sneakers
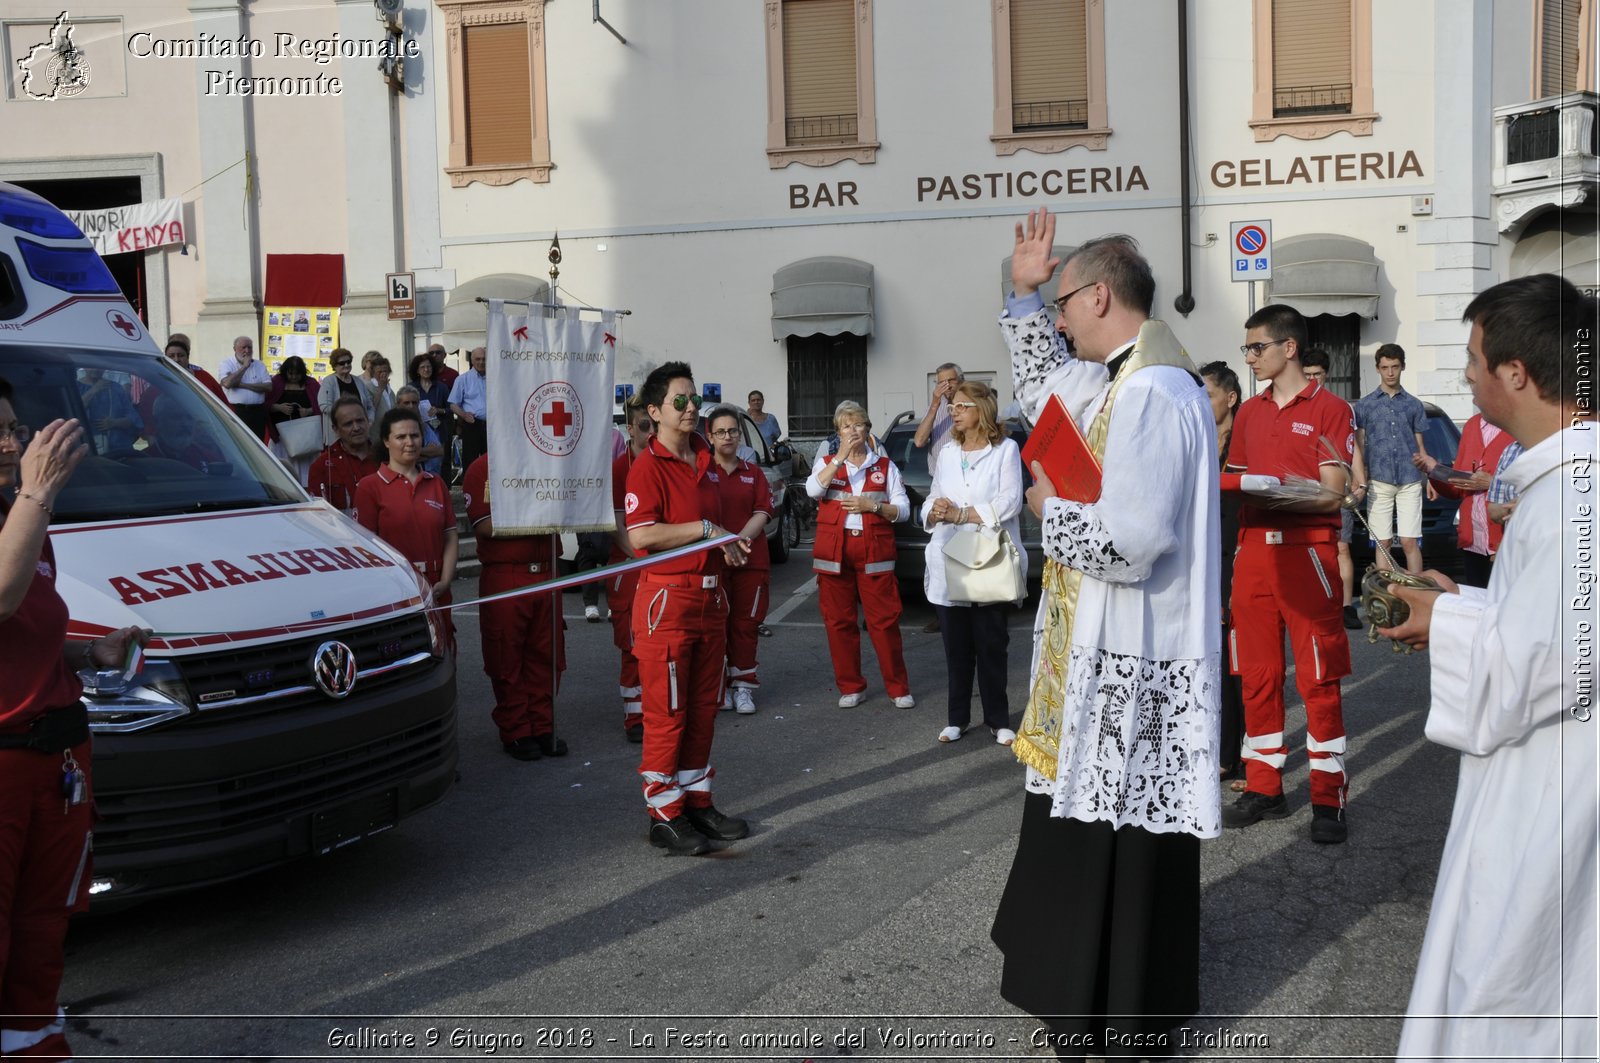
[
  {"x": 524, "y": 749},
  {"x": 715, "y": 825},
  {"x": 634, "y": 731},
  {"x": 678, "y": 837},
  {"x": 551, "y": 746},
  {"x": 1327, "y": 824},
  {"x": 1352, "y": 617},
  {"x": 1252, "y": 808}
]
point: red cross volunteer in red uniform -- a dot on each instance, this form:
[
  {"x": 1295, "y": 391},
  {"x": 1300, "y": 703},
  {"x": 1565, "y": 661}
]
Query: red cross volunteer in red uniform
[
  {"x": 46, "y": 791},
  {"x": 410, "y": 509},
  {"x": 523, "y": 646},
  {"x": 746, "y": 508},
  {"x": 680, "y": 617},
  {"x": 342, "y": 464},
  {"x": 1286, "y": 576},
  {"x": 621, "y": 588},
  {"x": 861, "y": 496}
]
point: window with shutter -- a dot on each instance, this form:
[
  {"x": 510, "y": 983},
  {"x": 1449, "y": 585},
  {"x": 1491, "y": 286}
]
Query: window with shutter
[
  {"x": 1563, "y": 60},
  {"x": 499, "y": 130},
  {"x": 1049, "y": 75},
  {"x": 820, "y": 106},
  {"x": 1313, "y": 68}
]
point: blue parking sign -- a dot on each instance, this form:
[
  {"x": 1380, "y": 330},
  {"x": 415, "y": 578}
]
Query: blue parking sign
[{"x": 1241, "y": 265}]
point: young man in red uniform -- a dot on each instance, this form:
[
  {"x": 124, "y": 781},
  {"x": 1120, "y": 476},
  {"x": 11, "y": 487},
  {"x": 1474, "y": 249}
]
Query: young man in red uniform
[
  {"x": 680, "y": 617},
  {"x": 1286, "y": 575},
  {"x": 523, "y": 651},
  {"x": 343, "y": 463},
  {"x": 620, "y": 589},
  {"x": 746, "y": 508}
]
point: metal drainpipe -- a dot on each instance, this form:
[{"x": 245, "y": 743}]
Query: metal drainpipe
[{"x": 1184, "y": 303}]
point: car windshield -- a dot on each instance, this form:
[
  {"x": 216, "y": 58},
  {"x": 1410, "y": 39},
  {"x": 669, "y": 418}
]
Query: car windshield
[{"x": 159, "y": 446}]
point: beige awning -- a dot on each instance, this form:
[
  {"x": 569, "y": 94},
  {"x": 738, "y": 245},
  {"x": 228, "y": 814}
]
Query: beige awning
[
  {"x": 827, "y": 295},
  {"x": 1564, "y": 243},
  {"x": 466, "y": 319},
  {"x": 1322, "y": 273}
]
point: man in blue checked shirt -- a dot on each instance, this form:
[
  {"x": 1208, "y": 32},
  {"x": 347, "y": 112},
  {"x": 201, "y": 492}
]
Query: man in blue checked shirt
[{"x": 1389, "y": 424}]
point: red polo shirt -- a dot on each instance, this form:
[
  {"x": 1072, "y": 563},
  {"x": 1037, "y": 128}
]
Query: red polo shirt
[
  {"x": 334, "y": 474},
  {"x": 31, "y": 643},
  {"x": 411, "y": 517},
  {"x": 619, "y": 495},
  {"x": 1287, "y": 442},
  {"x": 664, "y": 490},
  {"x": 743, "y": 492},
  {"x": 518, "y": 550}
]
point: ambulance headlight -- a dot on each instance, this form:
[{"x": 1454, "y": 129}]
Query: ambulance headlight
[{"x": 155, "y": 696}]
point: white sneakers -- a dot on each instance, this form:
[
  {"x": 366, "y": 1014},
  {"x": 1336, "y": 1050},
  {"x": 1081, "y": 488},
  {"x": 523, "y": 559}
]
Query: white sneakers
[
  {"x": 743, "y": 703},
  {"x": 950, "y": 734},
  {"x": 1005, "y": 736},
  {"x": 905, "y": 701},
  {"x": 591, "y": 613},
  {"x": 727, "y": 699},
  {"x": 850, "y": 701}
]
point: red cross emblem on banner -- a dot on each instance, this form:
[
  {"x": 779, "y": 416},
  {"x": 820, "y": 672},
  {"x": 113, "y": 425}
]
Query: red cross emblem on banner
[{"x": 552, "y": 418}]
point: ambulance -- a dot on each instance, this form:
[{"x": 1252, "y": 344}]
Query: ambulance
[{"x": 297, "y": 697}]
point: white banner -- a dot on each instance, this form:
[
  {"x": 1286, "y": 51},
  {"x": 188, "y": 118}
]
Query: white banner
[
  {"x": 115, "y": 230},
  {"x": 549, "y": 379}
]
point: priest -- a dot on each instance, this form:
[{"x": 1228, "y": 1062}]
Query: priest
[{"x": 1099, "y": 921}]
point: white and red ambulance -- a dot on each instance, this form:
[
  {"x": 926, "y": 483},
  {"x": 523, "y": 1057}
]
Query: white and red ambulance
[{"x": 297, "y": 696}]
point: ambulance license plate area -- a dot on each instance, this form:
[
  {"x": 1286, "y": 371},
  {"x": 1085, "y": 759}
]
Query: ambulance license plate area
[{"x": 348, "y": 823}]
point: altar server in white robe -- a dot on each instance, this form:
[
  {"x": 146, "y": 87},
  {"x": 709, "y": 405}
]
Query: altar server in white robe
[
  {"x": 1099, "y": 922},
  {"x": 1508, "y": 962}
]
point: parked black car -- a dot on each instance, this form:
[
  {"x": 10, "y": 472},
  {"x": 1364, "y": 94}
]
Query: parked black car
[
  {"x": 1439, "y": 546},
  {"x": 910, "y": 538}
]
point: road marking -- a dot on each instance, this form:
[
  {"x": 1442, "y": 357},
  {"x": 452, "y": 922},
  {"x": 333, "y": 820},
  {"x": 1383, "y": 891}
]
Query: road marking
[{"x": 796, "y": 597}]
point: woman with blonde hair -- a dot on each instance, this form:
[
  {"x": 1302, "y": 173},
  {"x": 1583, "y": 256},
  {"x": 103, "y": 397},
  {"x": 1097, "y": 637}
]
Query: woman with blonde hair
[
  {"x": 861, "y": 496},
  {"x": 977, "y": 483}
]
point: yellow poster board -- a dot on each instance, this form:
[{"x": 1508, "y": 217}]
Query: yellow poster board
[{"x": 312, "y": 332}]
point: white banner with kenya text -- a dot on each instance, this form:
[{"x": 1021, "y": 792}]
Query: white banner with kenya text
[{"x": 549, "y": 379}]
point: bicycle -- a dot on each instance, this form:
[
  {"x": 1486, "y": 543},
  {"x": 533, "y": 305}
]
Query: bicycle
[{"x": 801, "y": 512}]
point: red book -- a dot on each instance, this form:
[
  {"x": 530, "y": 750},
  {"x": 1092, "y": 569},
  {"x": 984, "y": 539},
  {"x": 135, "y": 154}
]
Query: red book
[{"x": 1058, "y": 446}]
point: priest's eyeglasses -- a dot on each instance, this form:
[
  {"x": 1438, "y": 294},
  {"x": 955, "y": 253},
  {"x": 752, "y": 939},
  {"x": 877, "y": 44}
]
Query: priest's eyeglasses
[
  {"x": 1061, "y": 303},
  {"x": 1247, "y": 349},
  {"x": 681, "y": 402}
]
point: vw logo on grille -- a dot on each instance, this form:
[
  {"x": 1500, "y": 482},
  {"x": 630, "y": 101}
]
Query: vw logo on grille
[{"x": 333, "y": 666}]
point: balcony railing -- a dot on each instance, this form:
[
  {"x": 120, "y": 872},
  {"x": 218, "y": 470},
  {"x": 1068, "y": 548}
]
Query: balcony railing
[
  {"x": 1297, "y": 100},
  {"x": 1546, "y": 153},
  {"x": 821, "y": 129},
  {"x": 1050, "y": 114}
]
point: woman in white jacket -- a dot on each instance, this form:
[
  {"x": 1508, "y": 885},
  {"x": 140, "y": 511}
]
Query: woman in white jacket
[{"x": 977, "y": 481}]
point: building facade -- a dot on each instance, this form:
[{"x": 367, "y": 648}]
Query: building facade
[{"x": 815, "y": 197}]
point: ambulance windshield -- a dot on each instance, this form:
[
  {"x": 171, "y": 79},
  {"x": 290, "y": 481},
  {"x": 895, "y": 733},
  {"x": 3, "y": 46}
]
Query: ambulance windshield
[{"x": 159, "y": 444}]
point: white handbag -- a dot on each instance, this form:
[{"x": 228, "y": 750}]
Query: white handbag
[
  {"x": 982, "y": 565},
  {"x": 301, "y": 436}
]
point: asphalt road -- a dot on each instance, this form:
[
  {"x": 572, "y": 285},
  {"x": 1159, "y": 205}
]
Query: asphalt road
[{"x": 525, "y": 916}]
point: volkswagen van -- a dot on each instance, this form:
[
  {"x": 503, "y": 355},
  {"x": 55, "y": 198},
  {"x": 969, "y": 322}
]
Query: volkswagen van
[{"x": 296, "y": 696}]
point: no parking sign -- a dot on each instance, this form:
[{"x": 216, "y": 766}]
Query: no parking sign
[{"x": 1250, "y": 250}]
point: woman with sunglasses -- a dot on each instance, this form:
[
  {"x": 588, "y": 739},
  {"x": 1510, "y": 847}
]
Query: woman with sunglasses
[
  {"x": 861, "y": 496},
  {"x": 46, "y": 789},
  {"x": 746, "y": 508},
  {"x": 337, "y": 385},
  {"x": 977, "y": 482},
  {"x": 680, "y": 617}
]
